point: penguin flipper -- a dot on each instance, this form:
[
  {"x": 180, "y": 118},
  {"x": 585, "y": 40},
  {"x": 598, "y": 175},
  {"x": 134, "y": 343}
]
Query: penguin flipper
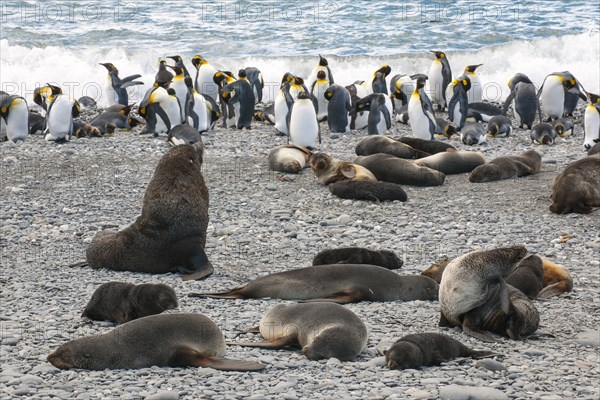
[
  {"x": 161, "y": 113},
  {"x": 508, "y": 100},
  {"x": 130, "y": 78},
  {"x": 451, "y": 106},
  {"x": 259, "y": 91},
  {"x": 129, "y": 84},
  {"x": 386, "y": 115},
  {"x": 331, "y": 82}
]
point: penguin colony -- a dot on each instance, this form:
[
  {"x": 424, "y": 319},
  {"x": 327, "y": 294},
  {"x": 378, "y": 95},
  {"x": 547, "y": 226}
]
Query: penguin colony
[{"x": 184, "y": 106}]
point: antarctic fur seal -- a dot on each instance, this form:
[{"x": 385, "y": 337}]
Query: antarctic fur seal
[
  {"x": 368, "y": 191},
  {"x": 577, "y": 188},
  {"x": 289, "y": 158},
  {"x": 427, "y": 146},
  {"x": 453, "y": 162},
  {"x": 329, "y": 170},
  {"x": 385, "y": 144},
  {"x": 358, "y": 255},
  {"x": 505, "y": 167},
  {"x": 388, "y": 168}
]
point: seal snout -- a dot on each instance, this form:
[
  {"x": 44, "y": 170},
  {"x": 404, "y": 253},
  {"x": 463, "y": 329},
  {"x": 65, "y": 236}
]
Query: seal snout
[{"x": 58, "y": 360}]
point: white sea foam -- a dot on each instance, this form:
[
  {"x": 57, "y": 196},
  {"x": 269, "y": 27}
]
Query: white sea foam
[{"x": 22, "y": 69}]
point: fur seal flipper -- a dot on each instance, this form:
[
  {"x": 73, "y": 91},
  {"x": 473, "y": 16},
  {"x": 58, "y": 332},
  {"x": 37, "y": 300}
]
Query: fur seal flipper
[
  {"x": 188, "y": 357},
  {"x": 368, "y": 191}
]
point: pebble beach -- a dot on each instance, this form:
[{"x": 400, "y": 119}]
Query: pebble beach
[{"x": 56, "y": 197}]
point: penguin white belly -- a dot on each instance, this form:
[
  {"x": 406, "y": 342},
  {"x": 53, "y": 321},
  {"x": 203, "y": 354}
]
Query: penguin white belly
[
  {"x": 304, "y": 127},
  {"x": 178, "y": 85},
  {"x": 202, "y": 112},
  {"x": 171, "y": 108},
  {"x": 60, "y": 120},
  {"x": 362, "y": 120},
  {"x": 321, "y": 101},
  {"x": 418, "y": 121},
  {"x": 456, "y": 114},
  {"x": 381, "y": 125},
  {"x": 111, "y": 95},
  {"x": 17, "y": 126},
  {"x": 450, "y": 91},
  {"x": 553, "y": 97},
  {"x": 295, "y": 91},
  {"x": 236, "y": 110},
  {"x": 435, "y": 82},
  {"x": 205, "y": 82},
  {"x": 281, "y": 111},
  {"x": 475, "y": 94},
  {"x": 591, "y": 123}
]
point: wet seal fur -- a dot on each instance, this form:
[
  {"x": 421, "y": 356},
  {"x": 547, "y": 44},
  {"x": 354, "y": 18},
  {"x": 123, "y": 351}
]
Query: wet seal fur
[
  {"x": 338, "y": 283},
  {"x": 453, "y": 162},
  {"x": 386, "y": 144},
  {"x": 330, "y": 170},
  {"x": 289, "y": 158},
  {"x": 475, "y": 296},
  {"x": 170, "y": 233},
  {"x": 368, "y": 191},
  {"x": 427, "y": 349},
  {"x": 392, "y": 169},
  {"x": 322, "y": 330},
  {"x": 524, "y": 164},
  {"x": 122, "y": 302},
  {"x": 166, "y": 340},
  {"x": 577, "y": 188},
  {"x": 358, "y": 255}
]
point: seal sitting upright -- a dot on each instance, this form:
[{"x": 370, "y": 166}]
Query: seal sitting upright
[{"x": 170, "y": 234}]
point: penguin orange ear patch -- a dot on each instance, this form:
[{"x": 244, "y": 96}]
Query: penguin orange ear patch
[
  {"x": 3, "y": 109},
  {"x": 464, "y": 82}
]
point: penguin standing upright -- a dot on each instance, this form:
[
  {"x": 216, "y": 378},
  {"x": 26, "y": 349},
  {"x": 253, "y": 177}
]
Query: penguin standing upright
[
  {"x": 14, "y": 118},
  {"x": 380, "y": 112},
  {"x": 459, "y": 104},
  {"x": 323, "y": 66},
  {"x": 475, "y": 94},
  {"x": 552, "y": 94},
  {"x": 398, "y": 94},
  {"x": 421, "y": 117},
  {"x": 116, "y": 89},
  {"x": 378, "y": 84},
  {"x": 303, "y": 125},
  {"x": 318, "y": 90},
  {"x": 163, "y": 77},
  {"x": 523, "y": 92},
  {"x": 160, "y": 108},
  {"x": 204, "y": 77},
  {"x": 338, "y": 108},
  {"x": 179, "y": 63},
  {"x": 222, "y": 78},
  {"x": 60, "y": 114},
  {"x": 440, "y": 76},
  {"x": 241, "y": 96},
  {"x": 256, "y": 81},
  {"x": 358, "y": 119},
  {"x": 297, "y": 87},
  {"x": 282, "y": 105},
  {"x": 201, "y": 111},
  {"x": 591, "y": 121},
  {"x": 181, "y": 90}
]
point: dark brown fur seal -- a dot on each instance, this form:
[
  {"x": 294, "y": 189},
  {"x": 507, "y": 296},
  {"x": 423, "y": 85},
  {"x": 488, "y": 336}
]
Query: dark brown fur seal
[
  {"x": 322, "y": 330},
  {"x": 368, "y": 191},
  {"x": 385, "y": 144},
  {"x": 453, "y": 162},
  {"x": 428, "y": 146},
  {"x": 329, "y": 170},
  {"x": 428, "y": 349},
  {"x": 358, "y": 255},
  {"x": 170, "y": 233},
  {"x": 289, "y": 158},
  {"x": 337, "y": 283},
  {"x": 166, "y": 340},
  {"x": 527, "y": 163},
  {"x": 122, "y": 302},
  {"x": 577, "y": 188},
  {"x": 392, "y": 169}
]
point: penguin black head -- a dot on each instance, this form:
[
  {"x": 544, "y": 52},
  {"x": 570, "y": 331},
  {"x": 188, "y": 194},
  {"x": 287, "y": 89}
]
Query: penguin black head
[
  {"x": 110, "y": 67},
  {"x": 171, "y": 92},
  {"x": 594, "y": 98},
  {"x": 518, "y": 77},
  {"x": 176, "y": 69},
  {"x": 242, "y": 73},
  {"x": 464, "y": 81},
  {"x": 568, "y": 83},
  {"x": 197, "y": 61},
  {"x": 321, "y": 75},
  {"x": 450, "y": 130},
  {"x": 133, "y": 122},
  {"x": 175, "y": 58},
  {"x": 322, "y": 61},
  {"x": 188, "y": 82},
  {"x": 163, "y": 63},
  {"x": 421, "y": 78},
  {"x": 302, "y": 95},
  {"x": 438, "y": 54},
  {"x": 329, "y": 92},
  {"x": 384, "y": 70},
  {"x": 472, "y": 68},
  {"x": 298, "y": 81},
  {"x": 287, "y": 77}
]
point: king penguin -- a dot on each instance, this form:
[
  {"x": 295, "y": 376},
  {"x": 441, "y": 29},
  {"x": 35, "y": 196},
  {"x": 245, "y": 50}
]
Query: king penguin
[
  {"x": 421, "y": 117},
  {"x": 440, "y": 76},
  {"x": 116, "y": 89},
  {"x": 398, "y": 91},
  {"x": 223, "y": 78},
  {"x": 318, "y": 89},
  {"x": 323, "y": 66},
  {"x": 378, "y": 84},
  {"x": 552, "y": 94},
  {"x": 338, "y": 108},
  {"x": 591, "y": 121},
  {"x": 204, "y": 77},
  {"x": 459, "y": 104},
  {"x": 282, "y": 105},
  {"x": 358, "y": 119},
  {"x": 380, "y": 112},
  {"x": 526, "y": 103},
  {"x": 163, "y": 77},
  {"x": 241, "y": 96},
  {"x": 201, "y": 111},
  {"x": 256, "y": 81},
  {"x": 179, "y": 63},
  {"x": 303, "y": 125},
  {"x": 60, "y": 114},
  {"x": 475, "y": 94},
  {"x": 161, "y": 110},
  {"x": 14, "y": 116}
]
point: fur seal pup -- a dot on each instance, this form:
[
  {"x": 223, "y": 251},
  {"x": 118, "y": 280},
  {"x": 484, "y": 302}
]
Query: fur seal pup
[
  {"x": 122, "y": 302},
  {"x": 474, "y": 295},
  {"x": 428, "y": 146},
  {"x": 322, "y": 330},
  {"x": 427, "y": 349},
  {"x": 329, "y": 170},
  {"x": 385, "y": 144},
  {"x": 338, "y": 283},
  {"x": 577, "y": 188},
  {"x": 388, "y": 168},
  {"x": 167, "y": 340},
  {"x": 368, "y": 191},
  {"x": 289, "y": 158},
  {"x": 524, "y": 164},
  {"x": 453, "y": 162},
  {"x": 358, "y": 255},
  {"x": 528, "y": 277},
  {"x": 557, "y": 280},
  {"x": 170, "y": 233}
]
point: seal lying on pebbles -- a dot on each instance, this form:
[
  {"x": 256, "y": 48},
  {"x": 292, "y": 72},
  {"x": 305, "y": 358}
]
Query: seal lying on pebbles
[
  {"x": 453, "y": 162},
  {"x": 427, "y": 349},
  {"x": 368, "y": 191},
  {"x": 577, "y": 188},
  {"x": 329, "y": 170},
  {"x": 289, "y": 158},
  {"x": 474, "y": 295},
  {"x": 170, "y": 234},
  {"x": 557, "y": 280},
  {"x": 385, "y": 144},
  {"x": 122, "y": 302},
  {"x": 594, "y": 150},
  {"x": 527, "y": 163},
  {"x": 337, "y": 283},
  {"x": 167, "y": 340},
  {"x": 358, "y": 255},
  {"x": 322, "y": 330},
  {"x": 392, "y": 169},
  {"x": 427, "y": 146}
]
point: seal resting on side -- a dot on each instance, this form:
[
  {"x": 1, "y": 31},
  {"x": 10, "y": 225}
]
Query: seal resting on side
[{"x": 577, "y": 188}]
